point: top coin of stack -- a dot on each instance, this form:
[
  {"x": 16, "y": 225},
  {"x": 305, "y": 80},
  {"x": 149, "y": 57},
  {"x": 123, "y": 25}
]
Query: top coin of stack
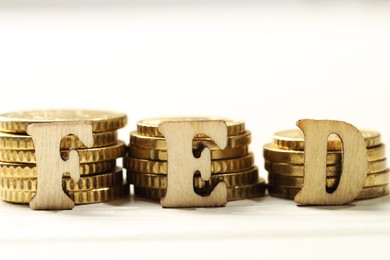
[
  {"x": 147, "y": 164},
  {"x": 100, "y": 179},
  {"x": 284, "y": 161}
]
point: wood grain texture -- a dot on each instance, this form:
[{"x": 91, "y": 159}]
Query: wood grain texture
[
  {"x": 50, "y": 165},
  {"x": 182, "y": 164},
  {"x": 354, "y": 163}
]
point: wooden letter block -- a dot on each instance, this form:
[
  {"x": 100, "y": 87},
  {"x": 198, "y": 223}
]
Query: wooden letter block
[
  {"x": 354, "y": 163},
  {"x": 182, "y": 164},
  {"x": 51, "y": 166}
]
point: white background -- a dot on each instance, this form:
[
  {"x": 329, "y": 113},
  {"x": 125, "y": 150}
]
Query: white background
[{"x": 267, "y": 63}]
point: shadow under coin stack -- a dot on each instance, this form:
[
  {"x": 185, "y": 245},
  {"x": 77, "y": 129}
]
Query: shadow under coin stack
[
  {"x": 147, "y": 164},
  {"x": 100, "y": 179},
  {"x": 284, "y": 161}
]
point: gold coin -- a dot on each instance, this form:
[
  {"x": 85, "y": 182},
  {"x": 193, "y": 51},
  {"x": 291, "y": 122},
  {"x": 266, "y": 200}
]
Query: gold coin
[
  {"x": 332, "y": 170},
  {"x": 294, "y": 140},
  {"x": 234, "y": 193},
  {"x": 85, "y": 183},
  {"x": 25, "y": 170},
  {"x": 159, "y": 143},
  {"x": 149, "y": 127},
  {"x": 94, "y": 181},
  {"x": 86, "y": 155},
  {"x": 274, "y": 154},
  {"x": 374, "y": 192},
  {"x": 366, "y": 193},
  {"x": 79, "y": 197},
  {"x": 159, "y": 181},
  {"x": 162, "y": 155},
  {"x": 217, "y": 166},
  {"x": 25, "y": 142},
  {"x": 283, "y": 181},
  {"x": 102, "y": 121}
]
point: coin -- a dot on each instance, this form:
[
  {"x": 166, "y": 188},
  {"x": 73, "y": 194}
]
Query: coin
[
  {"x": 85, "y": 183},
  {"x": 94, "y": 181},
  {"x": 162, "y": 155},
  {"x": 374, "y": 192},
  {"x": 25, "y": 142},
  {"x": 79, "y": 197},
  {"x": 102, "y": 121},
  {"x": 234, "y": 193},
  {"x": 25, "y": 170},
  {"x": 149, "y": 127},
  {"x": 159, "y": 181},
  {"x": 294, "y": 140},
  {"x": 217, "y": 166},
  {"x": 283, "y": 181},
  {"x": 86, "y": 155},
  {"x": 366, "y": 193},
  {"x": 159, "y": 143},
  {"x": 275, "y": 154},
  {"x": 332, "y": 170}
]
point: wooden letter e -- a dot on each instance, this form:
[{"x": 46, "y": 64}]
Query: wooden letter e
[{"x": 182, "y": 164}]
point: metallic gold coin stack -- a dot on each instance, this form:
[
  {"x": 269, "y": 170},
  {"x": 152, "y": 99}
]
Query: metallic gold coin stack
[
  {"x": 284, "y": 161},
  {"x": 147, "y": 164},
  {"x": 100, "y": 179}
]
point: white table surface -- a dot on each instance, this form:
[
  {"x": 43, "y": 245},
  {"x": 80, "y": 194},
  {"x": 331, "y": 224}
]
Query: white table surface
[{"x": 253, "y": 229}]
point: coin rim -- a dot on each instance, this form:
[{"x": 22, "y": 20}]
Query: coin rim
[
  {"x": 145, "y": 129},
  {"x": 291, "y": 143},
  {"x": 217, "y": 166},
  {"x": 28, "y": 156},
  {"x": 11, "y": 124}
]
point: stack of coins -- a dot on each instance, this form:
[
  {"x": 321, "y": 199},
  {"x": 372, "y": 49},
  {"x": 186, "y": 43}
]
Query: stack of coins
[
  {"x": 147, "y": 164},
  {"x": 284, "y": 161},
  {"x": 100, "y": 179}
]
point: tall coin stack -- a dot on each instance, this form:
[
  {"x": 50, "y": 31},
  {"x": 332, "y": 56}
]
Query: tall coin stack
[
  {"x": 284, "y": 161},
  {"x": 147, "y": 164},
  {"x": 100, "y": 179}
]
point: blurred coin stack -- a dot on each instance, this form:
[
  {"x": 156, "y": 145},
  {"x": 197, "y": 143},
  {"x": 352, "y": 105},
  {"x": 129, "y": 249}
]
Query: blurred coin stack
[
  {"x": 147, "y": 165},
  {"x": 284, "y": 161},
  {"x": 100, "y": 179}
]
